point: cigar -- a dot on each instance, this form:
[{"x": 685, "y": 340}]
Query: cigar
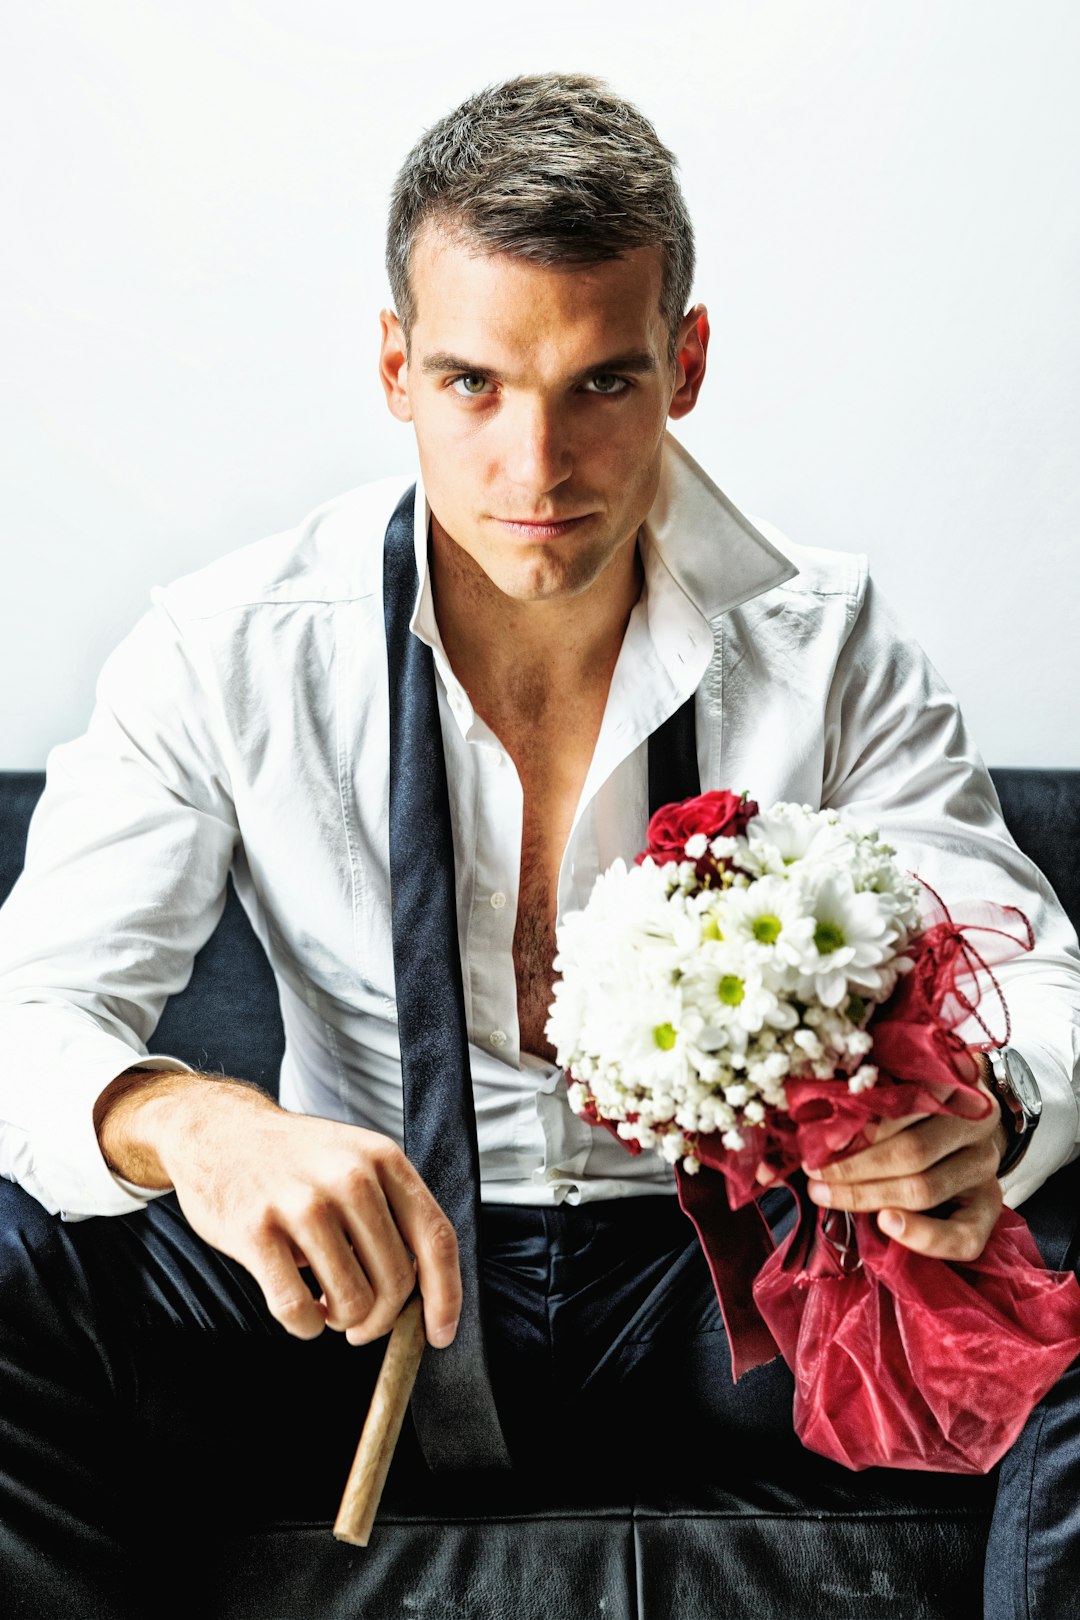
[{"x": 367, "y": 1476}]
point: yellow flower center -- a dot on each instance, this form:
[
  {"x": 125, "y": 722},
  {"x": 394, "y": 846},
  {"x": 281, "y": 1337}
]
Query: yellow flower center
[{"x": 828, "y": 937}]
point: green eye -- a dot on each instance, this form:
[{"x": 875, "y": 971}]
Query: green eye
[{"x": 472, "y": 384}]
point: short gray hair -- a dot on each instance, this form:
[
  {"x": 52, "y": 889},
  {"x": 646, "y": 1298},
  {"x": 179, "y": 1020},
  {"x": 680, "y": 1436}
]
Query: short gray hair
[{"x": 554, "y": 168}]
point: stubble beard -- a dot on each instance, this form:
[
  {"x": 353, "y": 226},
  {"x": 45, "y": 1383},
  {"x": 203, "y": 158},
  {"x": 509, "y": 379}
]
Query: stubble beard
[{"x": 551, "y": 576}]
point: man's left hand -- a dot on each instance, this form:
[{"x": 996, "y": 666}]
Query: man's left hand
[{"x": 914, "y": 1166}]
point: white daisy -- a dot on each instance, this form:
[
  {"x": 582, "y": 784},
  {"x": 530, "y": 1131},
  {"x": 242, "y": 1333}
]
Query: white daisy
[
  {"x": 853, "y": 941},
  {"x": 788, "y": 834}
]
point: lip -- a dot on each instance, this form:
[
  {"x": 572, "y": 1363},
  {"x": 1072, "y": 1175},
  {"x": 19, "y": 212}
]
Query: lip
[{"x": 539, "y": 529}]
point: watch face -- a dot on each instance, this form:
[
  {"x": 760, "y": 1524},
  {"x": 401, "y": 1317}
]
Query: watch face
[{"x": 1023, "y": 1083}]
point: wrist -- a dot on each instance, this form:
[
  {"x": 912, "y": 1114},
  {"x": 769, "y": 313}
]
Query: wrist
[
  {"x": 144, "y": 1115},
  {"x": 1001, "y": 1138}
]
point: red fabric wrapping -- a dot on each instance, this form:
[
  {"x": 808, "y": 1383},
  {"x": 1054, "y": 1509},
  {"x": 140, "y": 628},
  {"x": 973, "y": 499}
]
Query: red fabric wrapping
[
  {"x": 900, "y": 1360},
  {"x": 737, "y": 1243},
  {"x": 909, "y": 1362}
]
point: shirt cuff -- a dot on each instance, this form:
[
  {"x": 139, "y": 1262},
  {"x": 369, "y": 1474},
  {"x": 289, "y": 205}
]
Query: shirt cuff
[
  {"x": 61, "y": 1061},
  {"x": 1053, "y": 1142},
  {"x": 143, "y": 1195},
  {"x": 124, "y": 1196}
]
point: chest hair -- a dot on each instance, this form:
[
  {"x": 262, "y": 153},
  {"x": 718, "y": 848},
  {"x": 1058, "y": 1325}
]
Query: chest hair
[{"x": 534, "y": 939}]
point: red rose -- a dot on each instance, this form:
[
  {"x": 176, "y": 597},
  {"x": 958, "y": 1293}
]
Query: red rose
[{"x": 721, "y": 814}]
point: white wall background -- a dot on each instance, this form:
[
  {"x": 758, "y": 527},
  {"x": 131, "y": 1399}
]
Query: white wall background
[{"x": 887, "y": 197}]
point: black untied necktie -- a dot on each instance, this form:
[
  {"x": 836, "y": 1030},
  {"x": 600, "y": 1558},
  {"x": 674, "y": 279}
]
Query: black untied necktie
[{"x": 453, "y": 1406}]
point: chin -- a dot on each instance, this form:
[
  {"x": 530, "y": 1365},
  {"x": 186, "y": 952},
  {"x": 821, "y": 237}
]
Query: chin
[{"x": 543, "y": 581}]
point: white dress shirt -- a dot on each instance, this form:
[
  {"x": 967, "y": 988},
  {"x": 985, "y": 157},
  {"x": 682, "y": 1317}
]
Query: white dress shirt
[{"x": 243, "y": 724}]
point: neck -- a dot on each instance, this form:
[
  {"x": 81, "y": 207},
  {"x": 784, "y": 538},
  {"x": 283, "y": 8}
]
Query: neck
[{"x": 510, "y": 654}]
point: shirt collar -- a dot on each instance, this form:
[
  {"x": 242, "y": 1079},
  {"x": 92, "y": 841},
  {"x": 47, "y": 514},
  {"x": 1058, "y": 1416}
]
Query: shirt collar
[
  {"x": 423, "y": 623},
  {"x": 707, "y": 545},
  {"x": 701, "y": 557}
]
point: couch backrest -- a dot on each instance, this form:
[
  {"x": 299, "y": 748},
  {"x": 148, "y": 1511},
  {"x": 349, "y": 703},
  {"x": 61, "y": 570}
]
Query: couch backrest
[{"x": 227, "y": 1019}]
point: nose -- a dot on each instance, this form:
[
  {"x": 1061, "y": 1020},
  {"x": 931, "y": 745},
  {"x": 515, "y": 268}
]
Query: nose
[{"x": 537, "y": 455}]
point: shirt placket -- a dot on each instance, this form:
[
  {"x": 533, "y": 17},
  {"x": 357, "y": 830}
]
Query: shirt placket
[
  {"x": 608, "y": 823},
  {"x": 494, "y": 902}
]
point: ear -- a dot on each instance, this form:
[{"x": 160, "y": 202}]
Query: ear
[
  {"x": 394, "y": 366},
  {"x": 690, "y": 362}
]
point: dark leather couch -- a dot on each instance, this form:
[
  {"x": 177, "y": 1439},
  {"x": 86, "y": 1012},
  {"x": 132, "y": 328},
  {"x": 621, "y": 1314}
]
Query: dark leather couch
[{"x": 741, "y": 1547}]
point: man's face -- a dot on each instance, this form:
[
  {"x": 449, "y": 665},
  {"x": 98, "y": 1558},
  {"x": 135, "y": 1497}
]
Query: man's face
[{"x": 539, "y": 398}]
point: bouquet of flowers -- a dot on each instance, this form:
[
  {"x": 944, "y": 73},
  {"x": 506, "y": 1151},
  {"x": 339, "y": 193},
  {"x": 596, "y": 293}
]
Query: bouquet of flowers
[{"x": 753, "y": 994}]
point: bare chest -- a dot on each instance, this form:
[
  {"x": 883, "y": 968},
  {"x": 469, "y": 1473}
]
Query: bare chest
[{"x": 552, "y": 777}]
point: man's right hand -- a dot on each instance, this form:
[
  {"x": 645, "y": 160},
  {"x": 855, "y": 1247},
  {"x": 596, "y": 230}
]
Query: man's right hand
[{"x": 279, "y": 1191}]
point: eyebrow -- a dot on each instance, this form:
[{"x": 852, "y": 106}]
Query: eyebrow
[{"x": 639, "y": 362}]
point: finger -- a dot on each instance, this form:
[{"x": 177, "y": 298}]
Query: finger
[
  {"x": 961, "y": 1236},
  {"x": 877, "y": 1132},
  {"x": 352, "y": 1244},
  {"x": 432, "y": 1239},
  {"x": 348, "y": 1295},
  {"x": 288, "y": 1299},
  {"x": 908, "y": 1151},
  {"x": 952, "y": 1177},
  {"x": 391, "y": 1270}
]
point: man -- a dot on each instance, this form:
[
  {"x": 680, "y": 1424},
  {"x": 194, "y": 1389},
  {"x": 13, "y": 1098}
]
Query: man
[{"x": 578, "y": 582}]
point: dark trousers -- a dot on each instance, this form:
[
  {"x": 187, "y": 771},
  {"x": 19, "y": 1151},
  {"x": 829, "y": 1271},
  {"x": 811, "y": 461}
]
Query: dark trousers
[
  {"x": 148, "y": 1400},
  {"x": 1033, "y": 1556}
]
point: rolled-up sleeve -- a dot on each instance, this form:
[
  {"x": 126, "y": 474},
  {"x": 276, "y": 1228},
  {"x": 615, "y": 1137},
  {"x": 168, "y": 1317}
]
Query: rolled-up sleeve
[
  {"x": 899, "y": 756},
  {"x": 126, "y": 865}
]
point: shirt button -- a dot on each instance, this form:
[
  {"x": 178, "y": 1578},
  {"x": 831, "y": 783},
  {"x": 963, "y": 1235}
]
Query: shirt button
[
  {"x": 498, "y": 901},
  {"x": 498, "y": 1037}
]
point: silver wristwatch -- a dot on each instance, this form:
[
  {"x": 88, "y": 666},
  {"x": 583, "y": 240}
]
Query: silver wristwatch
[{"x": 1016, "y": 1089}]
